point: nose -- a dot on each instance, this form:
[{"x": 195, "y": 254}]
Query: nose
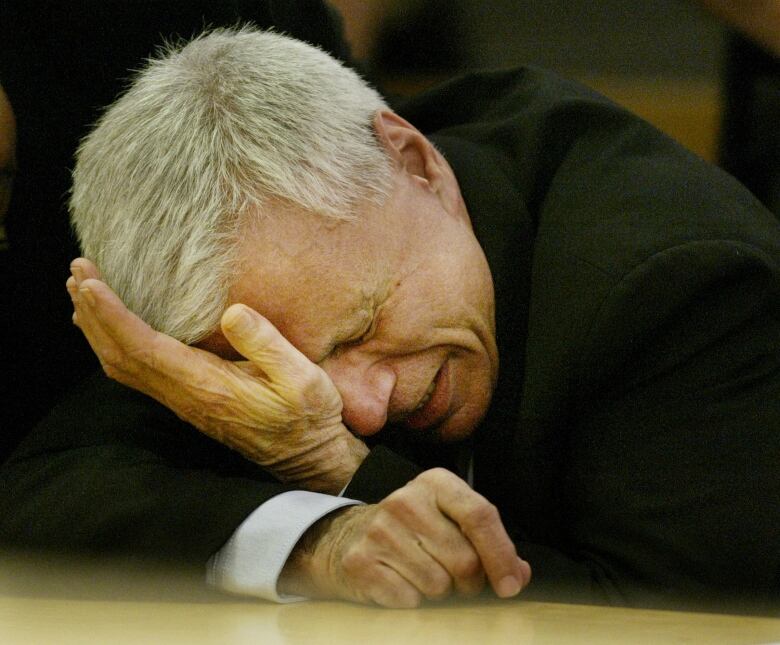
[{"x": 365, "y": 394}]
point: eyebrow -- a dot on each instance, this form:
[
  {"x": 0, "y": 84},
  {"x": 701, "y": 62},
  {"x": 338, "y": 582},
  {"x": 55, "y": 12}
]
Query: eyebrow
[{"x": 356, "y": 332}]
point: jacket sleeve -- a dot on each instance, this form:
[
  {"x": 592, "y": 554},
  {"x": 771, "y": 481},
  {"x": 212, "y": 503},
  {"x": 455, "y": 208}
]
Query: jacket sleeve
[{"x": 112, "y": 472}]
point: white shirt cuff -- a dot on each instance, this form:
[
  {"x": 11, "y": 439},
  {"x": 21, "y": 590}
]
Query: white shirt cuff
[{"x": 251, "y": 561}]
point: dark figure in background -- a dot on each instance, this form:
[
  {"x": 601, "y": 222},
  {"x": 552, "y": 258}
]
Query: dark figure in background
[
  {"x": 750, "y": 141},
  {"x": 59, "y": 64}
]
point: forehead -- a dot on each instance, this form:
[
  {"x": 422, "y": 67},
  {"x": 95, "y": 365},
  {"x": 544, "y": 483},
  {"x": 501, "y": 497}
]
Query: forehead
[{"x": 314, "y": 279}]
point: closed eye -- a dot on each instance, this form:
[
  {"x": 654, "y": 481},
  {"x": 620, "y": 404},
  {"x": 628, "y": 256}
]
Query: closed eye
[{"x": 362, "y": 334}]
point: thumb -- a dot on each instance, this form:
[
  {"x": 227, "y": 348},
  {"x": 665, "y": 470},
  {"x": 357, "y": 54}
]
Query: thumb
[
  {"x": 255, "y": 338},
  {"x": 238, "y": 321},
  {"x": 247, "y": 331}
]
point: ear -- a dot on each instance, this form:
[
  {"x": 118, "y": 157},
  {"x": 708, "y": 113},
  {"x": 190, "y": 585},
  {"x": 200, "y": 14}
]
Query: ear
[
  {"x": 406, "y": 145},
  {"x": 413, "y": 154}
]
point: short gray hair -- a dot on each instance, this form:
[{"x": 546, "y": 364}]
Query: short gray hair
[{"x": 207, "y": 134}]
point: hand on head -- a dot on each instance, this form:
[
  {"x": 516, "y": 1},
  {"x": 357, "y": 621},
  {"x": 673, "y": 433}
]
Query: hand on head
[
  {"x": 432, "y": 538},
  {"x": 277, "y": 408}
]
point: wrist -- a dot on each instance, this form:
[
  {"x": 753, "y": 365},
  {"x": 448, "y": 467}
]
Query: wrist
[
  {"x": 348, "y": 454},
  {"x": 310, "y": 568},
  {"x": 356, "y": 451}
]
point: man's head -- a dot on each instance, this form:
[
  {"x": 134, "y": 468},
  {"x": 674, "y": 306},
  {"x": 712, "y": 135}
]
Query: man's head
[
  {"x": 205, "y": 137},
  {"x": 327, "y": 213}
]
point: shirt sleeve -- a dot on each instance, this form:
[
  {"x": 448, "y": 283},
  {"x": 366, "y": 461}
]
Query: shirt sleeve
[{"x": 252, "y": 559}]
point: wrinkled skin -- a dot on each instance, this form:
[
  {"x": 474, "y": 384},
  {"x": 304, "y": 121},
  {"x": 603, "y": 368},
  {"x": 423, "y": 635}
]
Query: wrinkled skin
[
  {"x": 432, "y": 538},
  {"x": 389, "y": 318},
  {"x": 278, "y": 390}
]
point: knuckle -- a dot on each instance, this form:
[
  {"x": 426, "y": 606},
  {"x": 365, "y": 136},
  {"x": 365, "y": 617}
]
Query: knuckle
[
  {"x": 112, "y": 358},
  {"x": 467, "y": 566},
  {"x": 143, "y": 358},
  {"x": 113, "y": 365},
  {"x": 401, "y": 504},
  {"x": 314, "y": 391},
  {"x": 482, "y": 514},
  {"x": 471, "y": 586},
  {"x": 110, "y": 371},
  {"x": 378, "y": 533},
  {"x": 355, "y": 562},
  {"x": 309, "y": 379},
  {"x": 437, "y": 584},
  {"x": 435, "y": 476}
]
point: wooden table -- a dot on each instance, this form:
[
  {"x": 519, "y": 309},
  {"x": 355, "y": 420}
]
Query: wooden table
[{"x": 54, "y": 605}]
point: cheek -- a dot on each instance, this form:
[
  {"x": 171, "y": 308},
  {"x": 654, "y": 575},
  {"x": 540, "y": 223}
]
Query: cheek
[
  {"x": 477, "y": 377},
  {"x": 468, "y": 415}
]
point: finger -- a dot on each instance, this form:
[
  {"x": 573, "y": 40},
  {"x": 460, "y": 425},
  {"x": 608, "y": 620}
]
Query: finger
[
  {"x": 137, "y": 348},
  {"x": 448, "y": 546},
  {"x": 134, "y": 354},
  {"x": 84, "y": 269},
  {"x": 427, "y": 574},
  {"x": 84, "y": 318},
  {"x": 438, "y": 537},
  {"x": 110, "y": 318},
  {"x": 481, "y": 524},
  {"x": 72, "y": 289},
  {"x": 104, "y": 320},
  {"x": 404, "y": 552},
  {"x": 255, "y": 338},
  {"x": 388, "y": 588}
]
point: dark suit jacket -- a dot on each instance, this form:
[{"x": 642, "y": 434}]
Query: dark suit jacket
[{"x": 632, "y": 445}]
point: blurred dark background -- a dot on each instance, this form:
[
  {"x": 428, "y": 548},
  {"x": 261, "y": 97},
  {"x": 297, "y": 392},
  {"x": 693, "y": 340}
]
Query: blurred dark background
[
  {"x": 662, "y": 58},
  {"x": 706, "y": 72}
]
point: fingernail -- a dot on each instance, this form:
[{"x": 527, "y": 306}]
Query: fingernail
[
  {"x": 238, "y": 319},
  {"x": 70, "y": 286},
  {"x": 88, "y": 296},
  {"x": 77, "y": 273},
  {"x": 527, "y": 571},
  {"x": 508, "y": 586}
]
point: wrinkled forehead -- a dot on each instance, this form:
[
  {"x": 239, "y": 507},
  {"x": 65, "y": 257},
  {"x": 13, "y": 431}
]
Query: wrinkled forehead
[{"x": 312, "y": 278}]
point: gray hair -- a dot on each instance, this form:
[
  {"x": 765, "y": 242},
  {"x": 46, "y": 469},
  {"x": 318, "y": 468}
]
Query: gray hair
[{"x": 206, "y": 135}]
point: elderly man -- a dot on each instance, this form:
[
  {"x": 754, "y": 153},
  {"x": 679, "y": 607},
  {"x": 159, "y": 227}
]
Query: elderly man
[{"x": 249, "y": 198}]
